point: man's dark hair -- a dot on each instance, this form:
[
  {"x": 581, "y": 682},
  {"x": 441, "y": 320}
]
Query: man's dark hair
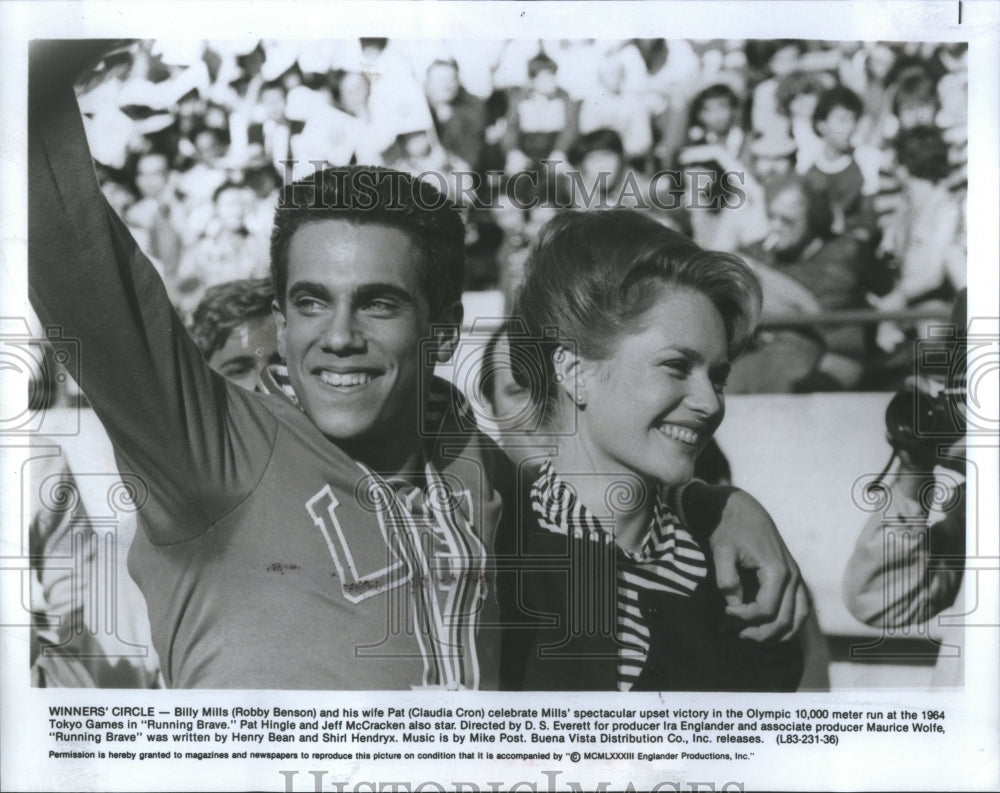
[
  {"x": 717, "y": 91},
  {"x": 599, "y": 140},
  {"x": 370, "y": 195},
  {"x": 832, "y": 98},
  {"x": 923, "y": 152},
  {"x": 224, "y": 307},
  {"x": 915, "y": 87}
]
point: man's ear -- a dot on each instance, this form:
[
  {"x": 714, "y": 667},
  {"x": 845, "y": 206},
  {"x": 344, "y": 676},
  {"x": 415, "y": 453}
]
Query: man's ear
[
  {"x": 569, "y": 375},
  {"x": 280, "y": 325},
  {"x": 446, "y": 331}
]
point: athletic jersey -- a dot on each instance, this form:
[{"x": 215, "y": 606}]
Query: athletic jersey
[{"x": 268, "y": 558}]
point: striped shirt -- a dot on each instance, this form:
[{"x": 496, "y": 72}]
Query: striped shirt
[{"x": 669, "y": 560}]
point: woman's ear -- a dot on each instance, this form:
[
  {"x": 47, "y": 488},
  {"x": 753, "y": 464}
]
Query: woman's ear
[{"x": 569, "y": 375}]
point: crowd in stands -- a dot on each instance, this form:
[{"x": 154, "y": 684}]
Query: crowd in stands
[{"x": 837, "y": 169}]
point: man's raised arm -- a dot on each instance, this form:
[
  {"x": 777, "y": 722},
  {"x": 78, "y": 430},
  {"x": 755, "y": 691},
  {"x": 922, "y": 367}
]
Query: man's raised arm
[{"x": 172, "y": 420}]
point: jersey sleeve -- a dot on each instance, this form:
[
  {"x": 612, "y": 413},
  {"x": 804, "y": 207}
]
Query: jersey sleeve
[{"x": 199, "y": 443}]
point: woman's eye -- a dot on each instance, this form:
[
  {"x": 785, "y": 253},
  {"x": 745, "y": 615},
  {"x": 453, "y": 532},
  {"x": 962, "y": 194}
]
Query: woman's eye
[{"x": 678, "y": 367}]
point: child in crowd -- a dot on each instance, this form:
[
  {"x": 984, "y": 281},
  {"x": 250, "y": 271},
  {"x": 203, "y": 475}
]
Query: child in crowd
[{"x": 837, "y": 172}]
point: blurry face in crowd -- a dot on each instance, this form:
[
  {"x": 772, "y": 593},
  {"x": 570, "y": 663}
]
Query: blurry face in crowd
[
  {"x": 442, "y": 84},
  {"x": 230, "y": 208},
  {"x": 355, "y": 315},
  {"x": 596, "y": 164},
  {"x": 118, "y": 196},
  {"x": 916, "y": 114},
  {"x": 545, "y": 82},
  {"x": 788, "y": 223},
  {"x": 417, "y": 144},
  {"x": 769, "y": 170},
  {"x": 784, "y": 61},
  {"x": 652, "y": 406},
  {"x": 209, "y": 146},
  {"x": 838, "y": 128},
  {"x": 250, "y": 347},
  {"x": 151, "y": 175},
  {"x": 716, "y": 115},
  {"x": 880, "y": 60},
  {"x": 273, "y": 101}
]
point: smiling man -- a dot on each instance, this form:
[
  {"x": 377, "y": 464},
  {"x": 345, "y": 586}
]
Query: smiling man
[{"x": 336, "y": 532}]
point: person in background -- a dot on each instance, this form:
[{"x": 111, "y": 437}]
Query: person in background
[
  {"x": 226, "y": 249},
  {"x": 153, "y": 214},
  {"x": 837, "y": 173},
  {"x": 542, "y": 119},
  {"x": 609, "y": 105},
  {"x": 715, "y": 120},
  {"x": 835, "y": 269},
  {"x": 234, "y": 328},
  {"x": 460, "y": 118},
  {"x": 797, "y": 96},
  {"x": 924, "y": 236},
  {"x": 908, "y": 563}
]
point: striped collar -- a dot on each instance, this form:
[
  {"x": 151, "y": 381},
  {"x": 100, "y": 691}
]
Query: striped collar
[{"x": 557, "y": 508}]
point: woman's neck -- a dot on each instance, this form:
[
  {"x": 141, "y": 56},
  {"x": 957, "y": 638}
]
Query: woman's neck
[{"x": 606, "y": 487}]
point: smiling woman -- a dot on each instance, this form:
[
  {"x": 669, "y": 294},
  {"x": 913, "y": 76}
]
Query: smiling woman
[{"x": 633, "y": 328}]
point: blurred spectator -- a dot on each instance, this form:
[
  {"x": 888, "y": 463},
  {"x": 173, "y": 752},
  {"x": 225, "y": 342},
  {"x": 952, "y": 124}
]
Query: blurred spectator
[
  {"x": 271, "y": 130},
  {"x": 797, "y": 95},
  {"x": 225, "y": 249},
  {"x": 234, "y": 328},
  {"x": 542, "y": 120},
  {"x": 609, "y": 105},
  {"x": 152, "y": 214},
  {"x": 835, "y": 269},
  {"x": 715, "y": 120},
  {"x": 836, "y": 172},
  {"x": 924, "y": 237},
  {"x": 459, "y": 118}
]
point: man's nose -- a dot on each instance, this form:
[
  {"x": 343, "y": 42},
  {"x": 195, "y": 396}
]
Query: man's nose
[{"x": 342, "y": 333}]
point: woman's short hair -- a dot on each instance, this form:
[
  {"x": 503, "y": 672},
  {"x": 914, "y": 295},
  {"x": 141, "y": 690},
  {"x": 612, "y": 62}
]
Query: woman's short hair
[{"x": 590, "y": 275}]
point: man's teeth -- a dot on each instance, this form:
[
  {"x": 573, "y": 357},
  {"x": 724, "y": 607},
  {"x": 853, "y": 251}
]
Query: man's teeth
[
  {"x": 682, "y": 434},
  {"x": 346, "y": 379}
]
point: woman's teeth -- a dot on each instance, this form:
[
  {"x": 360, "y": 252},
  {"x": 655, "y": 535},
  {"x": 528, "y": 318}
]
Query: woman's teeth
[
  {"x": 682, "y": 434},
  {"x": 345, "y": 379}
]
